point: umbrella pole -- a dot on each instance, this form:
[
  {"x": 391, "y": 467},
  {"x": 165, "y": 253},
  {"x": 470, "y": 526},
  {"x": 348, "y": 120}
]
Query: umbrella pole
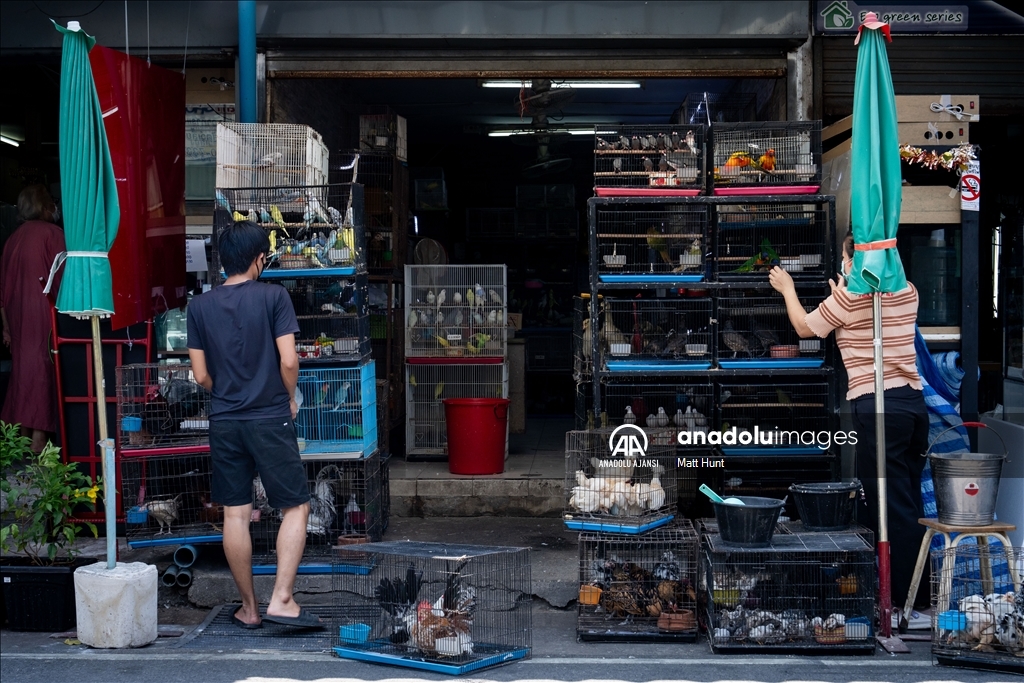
[
  {"x": 106, "y": 444},
  {"x": 884, "y": 576}
]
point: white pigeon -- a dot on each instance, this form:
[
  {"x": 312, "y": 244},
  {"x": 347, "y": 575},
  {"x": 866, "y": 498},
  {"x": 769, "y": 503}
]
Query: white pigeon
[
  {"x": 652, "y": 420},
  {"x": 679, "y": 420},
  {"x": 657, "y": 492},
  {"x": 457, "y": 298},
  {"x": 630, "y": 416},
  {"x": 662, "y": 417}
]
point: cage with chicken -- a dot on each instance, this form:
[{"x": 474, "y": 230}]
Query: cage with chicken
[
  {"x": 777, "y": 418},
  {"x": 426, "y": 387},
  {"x": 456, "y": 312},
  {"x": 337, "y": 417},
  {"x": 443, "y": 608},
  {"x": 755, "y": 332},
  {"x": 649, "y": 160},
  {"x": 167, "y": 500},
  {"x": 270, "y": 155},
  {"x": 333, "y": 316},
  {"x": 805, "y": 592},
  {"x": 754, "y": 238},
  {"x": 664, "y": 408},
  {"x": 620, "y": 480},
  {"x": 978, "y": 607},
  {"x": 767, "y": 157},
  {"x": 160, "y": 406},
  {"x": 314, "y": 230},
  {"x": 649, "y": 240},
  {"x": 638, "y": 588},
  {"x": 664, "y": 335},
  {"x": 345, "y": 508}
]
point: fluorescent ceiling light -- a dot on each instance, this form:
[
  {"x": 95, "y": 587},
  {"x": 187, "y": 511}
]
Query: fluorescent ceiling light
[
  {"x": 10, "y": 141},
  {"x": 553, "y": 131},
  {"x": 503, "y": 83}
]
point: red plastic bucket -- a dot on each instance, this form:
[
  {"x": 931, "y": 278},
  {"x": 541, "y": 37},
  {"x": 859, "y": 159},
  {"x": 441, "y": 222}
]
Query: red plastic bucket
[{"x": 477, "y": 428}]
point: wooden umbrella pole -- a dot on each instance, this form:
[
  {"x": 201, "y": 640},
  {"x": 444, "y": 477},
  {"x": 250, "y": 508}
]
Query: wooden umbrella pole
[
  {"x": 106, "y": 445},
  {"x": 884, "y": 578}
]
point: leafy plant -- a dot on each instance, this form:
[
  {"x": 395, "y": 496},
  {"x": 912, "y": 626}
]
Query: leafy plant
[{"x": 41, "y": 492}]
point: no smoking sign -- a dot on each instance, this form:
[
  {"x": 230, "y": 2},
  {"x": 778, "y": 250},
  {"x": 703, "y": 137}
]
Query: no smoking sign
[{"x": 970, "y": 187}]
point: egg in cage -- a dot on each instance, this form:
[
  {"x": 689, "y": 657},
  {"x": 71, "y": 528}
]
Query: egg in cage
[
  {"x": 656, "y": 334},
  {"x": 777, "y": 418},
  {"x": 769, "y": 156},
  {"x": 649, "y": 159},
  {"x": 333, "y": 317},
  {"x": 437, "y": 607},
  {"x": 755, "y": 332},
  {"x": 638, "y": 588},
  {"x": 161, "y": 406},
  {"x": 337, "y": 417},
  {"x": 270, "y": 155},
  {"x": 754, "y": 238},
  {"x": 650, "y": 241}
]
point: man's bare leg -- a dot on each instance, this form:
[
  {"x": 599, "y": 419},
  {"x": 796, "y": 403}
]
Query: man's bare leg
[
  {"x": 238, "y": 550},
  {"x": 291, "y": 540}
]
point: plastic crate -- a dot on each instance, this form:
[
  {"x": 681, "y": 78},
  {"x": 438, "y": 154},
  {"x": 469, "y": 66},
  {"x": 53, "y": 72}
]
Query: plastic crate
[
  {"x": 338, "y": 415},
  {"x": 655, "y": 160},
  {"x": 270, "y": 155},
  {"x": 160, "y": 406},
  {"x": 778, "y": 157}
]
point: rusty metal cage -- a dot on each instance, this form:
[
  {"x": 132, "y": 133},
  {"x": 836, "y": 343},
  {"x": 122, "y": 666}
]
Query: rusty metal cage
[{"x": 160, "y": 406}]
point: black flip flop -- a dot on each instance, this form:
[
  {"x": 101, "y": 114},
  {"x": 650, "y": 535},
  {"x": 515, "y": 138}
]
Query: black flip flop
[
  {"x": 241, "y": 624},
  {"x": 305, "y": 619}
]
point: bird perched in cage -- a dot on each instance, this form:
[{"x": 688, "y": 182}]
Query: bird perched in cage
[
  {"x": 648, "y": 164},
  {"x": 477, "y": 342},
  {"x": 341, "y": 396},
  {"x": 276, "y": 216},
  {"x": 766, "y": 337},
  {"x": 658, "y": 243},
  {"x": 457, "y": 299},
  {"x": 470, "y": 299},
  {"x": 736, "y": 342},
  {"x": 431, "y": 297},
  {"x": 629, "y": 418},
  {"x": 444, "y": 626},
  {"x": 164, "y": 511},
  {"x": 322, "y": 509},
  {"x": 440, "y": 300},
  {"x": 479, "y": 296},
  {"x": 413, "y": 317},
  {"x": 354, "y": 518},
  {"x": 691, "y": 142},
  {"x": 493, "y": 296},
  {"x": 667, "y": 569},
  {"x": 399, "y": 597},
  {"x": 210, "y": 512},
  {"x": 268, "y": 160},
  {"x": 222, "y": 201},
  {"x": 663, "y": 164},
  {"x": 238, "y": 217},
  {"x": 617, "y": 164},
  {"x": 602, "y": 144},
  {"x": 766, "y": 162},
  {"x": 634, "y": 142},
  {"x": 739, "y": 160},
  {"x": 314, "y": 210},
  {"x": 764, "y": 260}
]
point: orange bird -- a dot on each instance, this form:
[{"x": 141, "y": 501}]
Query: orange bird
[
  {"x": 738, "y": 160},
  {"x": 767, "y": 161}
]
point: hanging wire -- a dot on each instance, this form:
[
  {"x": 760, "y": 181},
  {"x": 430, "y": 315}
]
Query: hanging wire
[
  {"x": 188, "y": 22},
  {"x": 147, "y": 34},
  {"x": 126, "y": 28}
]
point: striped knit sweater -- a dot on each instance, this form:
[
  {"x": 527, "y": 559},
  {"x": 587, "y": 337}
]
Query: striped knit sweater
[{"x": 850, "y": 316}]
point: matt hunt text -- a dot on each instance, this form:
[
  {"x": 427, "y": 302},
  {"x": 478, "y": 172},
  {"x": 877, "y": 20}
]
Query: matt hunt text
[{"x": 700, "y": 462}]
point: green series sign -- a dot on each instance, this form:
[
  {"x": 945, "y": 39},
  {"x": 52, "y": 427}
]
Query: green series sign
[{"x": 844, "y": 16}]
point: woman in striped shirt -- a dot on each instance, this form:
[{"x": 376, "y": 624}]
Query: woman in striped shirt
[{"x": 906, "y": 416}]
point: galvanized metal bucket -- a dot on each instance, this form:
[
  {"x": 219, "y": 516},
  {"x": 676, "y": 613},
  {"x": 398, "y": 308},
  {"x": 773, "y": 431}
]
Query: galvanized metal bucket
[{"x": 966, "y": 484}]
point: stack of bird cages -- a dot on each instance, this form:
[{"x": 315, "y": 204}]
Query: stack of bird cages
[
  {"x": 426, "y": 387},
  {"x": 620, "y": 480},
  {"x": 333, "y": 316},
  {"x": 679, "y": 404},
  {"x": 345, "y": 508},
  {"x": 755, "y": 332},
  {"x": 167, "y": 500},
  {"x": 805, "y": 592},
  {"x": 337, "y": 418},
  {"x": 383, "y": 416},
  {"x": 656, "y": 160},
  {"x": 777, "y": 157},
  {"x": 269, "y": 155},
  {"x": 638, "y": 588},
  {"x": 776, "y": 418},
  {"x": 978, "y": 606},
  {"x": 450, "y": 609},
  {"x": 382, "y": 130},
  {"x": 582, "y": 341},
  {"x": 710, "y": 108},
  {"x": 385, "y": 179},
  {"x": 456, "y": 312},
  {"x": 313, "y": 230},
  {"x": 753, "y": 238},
  {"x": 656, "y": 334},
  {"x": 649, "y": 241},
  {"x": 161, "y": 407}
]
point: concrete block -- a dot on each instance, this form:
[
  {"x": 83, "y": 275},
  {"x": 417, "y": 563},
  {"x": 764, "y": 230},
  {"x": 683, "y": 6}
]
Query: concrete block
[{"x": 116, "y": 607}]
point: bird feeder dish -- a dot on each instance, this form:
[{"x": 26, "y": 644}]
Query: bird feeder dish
[
  {"x": 649, "y": 160},
  {"x": 769, "y": 157}
]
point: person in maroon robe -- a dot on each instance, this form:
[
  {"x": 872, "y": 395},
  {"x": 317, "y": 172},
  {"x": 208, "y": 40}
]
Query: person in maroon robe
[{"x": 25, "y": 310}]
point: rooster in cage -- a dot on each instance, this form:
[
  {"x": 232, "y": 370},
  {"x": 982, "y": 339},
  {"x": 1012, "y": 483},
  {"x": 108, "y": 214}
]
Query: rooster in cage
[
  {"x": 168, "y": 404},
  {"x": 322, "y": 506},
  {"x": 444, "y": 627},
  {"x": 398, "y": 597}
]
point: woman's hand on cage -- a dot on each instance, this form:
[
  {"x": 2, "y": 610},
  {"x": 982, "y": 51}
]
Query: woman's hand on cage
[{"x": 781, "y": 280}]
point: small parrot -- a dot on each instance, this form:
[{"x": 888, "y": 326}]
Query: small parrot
[
  {"x": 222, "y": 201},
  {"x": 784, "y": 398},
  {"x": 691, "y": 142},
  {"x": 492, "y": 317},
  {"x": 442, "y": 341},
  {"x": 479, "y": 296},
  {"x": 341, "y": 394},
  {"x": 237, "y": 217},
  {"x": 440, "y": 302},
  {"x": 264, "y": 216},
  {"x": 739, "y": 160},
  {"x": 438, "y": 390},
  {"x": 413, "y": 318},
  {"x": 648, "y": 164},
  {"x": 272, "y": 236},
  {"x": 767, "y": 160},
  {"x": 431, "y": 297},
  {"x": 457, "y": 299},
  {"x": 412, "y": 380},
  {"x": 493, "y": 296},
  {"x": 275, "y": 215},
  {"x": 469, "y": 298},
  {"x": 763, "y": 260},
  {"x": 658, "y": 244},
  {"x": 251, "y": 216}
]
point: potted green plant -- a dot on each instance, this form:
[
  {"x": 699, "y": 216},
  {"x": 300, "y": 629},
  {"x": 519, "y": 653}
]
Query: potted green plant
[{"x": 38, "y": 532}]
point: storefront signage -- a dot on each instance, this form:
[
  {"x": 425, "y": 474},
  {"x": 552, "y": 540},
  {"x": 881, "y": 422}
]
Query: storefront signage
[{"x": 843, "y": 16}]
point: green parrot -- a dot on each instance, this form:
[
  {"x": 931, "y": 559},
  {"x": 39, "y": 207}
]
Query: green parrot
[{"x": 762, "y": 261}]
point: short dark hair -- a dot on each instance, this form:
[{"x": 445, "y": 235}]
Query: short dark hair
[
  {"x": 238, "y": 246},
  {"x": 35, "y": 203},
  {"x": 848, "y": 244}
]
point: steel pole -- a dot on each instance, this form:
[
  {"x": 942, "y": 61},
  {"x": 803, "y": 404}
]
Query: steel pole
[
  {"x": 884, "y": 581},
  {"x": 105, "y": 443}
]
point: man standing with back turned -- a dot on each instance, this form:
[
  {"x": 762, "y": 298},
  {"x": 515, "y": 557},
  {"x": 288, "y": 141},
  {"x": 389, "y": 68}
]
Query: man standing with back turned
[{"x": 241, "y": 341}]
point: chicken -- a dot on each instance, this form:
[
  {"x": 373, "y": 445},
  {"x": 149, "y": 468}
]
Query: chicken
[
  {"x": 398, "y": 597},
  {"x": 164, "y": 511},
  {"x": 1009, "y": 629},
  {"x": 980, "y": 622},
  {"x": 322, "y": 509},
  {"x": 210, "y": 512},
  {"x": 444, "y": 627}
]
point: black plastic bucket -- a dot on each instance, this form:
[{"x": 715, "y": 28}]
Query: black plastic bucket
[
  {"x": 826, "y": 506},
  {"x": 750, "y": 525}
]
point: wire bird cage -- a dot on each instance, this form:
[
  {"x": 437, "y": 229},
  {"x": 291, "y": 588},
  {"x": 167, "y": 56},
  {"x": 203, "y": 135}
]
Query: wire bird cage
[
  {"x": 755, "y": 332},
  {"x": 313, "y": 230},
  {"x": 167, "y": 500},
  {"x": 978, "y": 607},
  {"x": 806, "y": 592},
  {"x": 161, "y": 406},
  {"x": 638, "y": 588},
  {"x": 656, "y": 334},
  {"x": 709, "y": 107},
  {"x": 338, "y": 414},
  {"x": 776, "y": 418},
  {"x": 382, "y": 130},
  {"x": 636, "y": 160},
  {"x": 753, "y": 238},
  {"x": 383, "y": 417},
  {"x": 460, "y": 311},
  {"x": 618, "y": 492},
  {"x": 345, "y": 508},
  {"x": 426, "y": 386},
  {"x": 650, "y": 241},
  {"x": 269, "y": 155},
  {"x": 442, "y": 608},
  {"x": 333, "y": 316},
  {"x": 385, "y": 490},
  {"x": 582, "y": 342},
  {"x": 385, "y": 181},
  {"x": 767, "y": 157},
  {"x": 680, "y": 405}
]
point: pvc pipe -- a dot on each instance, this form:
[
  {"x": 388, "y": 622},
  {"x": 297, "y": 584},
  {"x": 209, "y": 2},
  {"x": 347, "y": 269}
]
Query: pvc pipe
[
  {"x": 170, "y": 576},
  {"x": 186, "y": 555},
  {"x": 184, "y": 578},
  {"x": 247, "y": 60}
]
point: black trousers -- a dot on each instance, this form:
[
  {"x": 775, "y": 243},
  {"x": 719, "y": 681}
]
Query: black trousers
[{"x": 906, "y": 440}]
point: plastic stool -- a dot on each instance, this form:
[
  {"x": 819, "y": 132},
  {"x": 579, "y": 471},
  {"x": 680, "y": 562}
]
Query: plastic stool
[{"x": 934, "y": 526}]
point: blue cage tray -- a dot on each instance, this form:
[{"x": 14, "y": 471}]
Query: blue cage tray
[
  {"x": 769, "y": 363},
  {"x": 667, "y": 278},
  {"x": 616, "y": 527},
  {"x": 484, "y": 656},
  {"x": 655, "y": 366}
]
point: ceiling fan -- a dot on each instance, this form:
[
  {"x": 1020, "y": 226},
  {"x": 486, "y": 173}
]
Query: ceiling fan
[{"x": 538, "y": 101}]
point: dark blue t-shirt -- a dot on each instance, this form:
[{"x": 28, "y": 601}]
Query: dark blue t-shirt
[{"x": 236, "y": 327}]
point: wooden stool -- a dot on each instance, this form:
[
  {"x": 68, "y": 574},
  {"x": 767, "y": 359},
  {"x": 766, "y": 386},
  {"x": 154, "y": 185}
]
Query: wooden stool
[{"x": 932, "y": 527}]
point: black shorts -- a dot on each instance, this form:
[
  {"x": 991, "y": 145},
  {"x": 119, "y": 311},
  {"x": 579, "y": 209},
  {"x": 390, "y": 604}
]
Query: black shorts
[{"x": 241, "y": 448}]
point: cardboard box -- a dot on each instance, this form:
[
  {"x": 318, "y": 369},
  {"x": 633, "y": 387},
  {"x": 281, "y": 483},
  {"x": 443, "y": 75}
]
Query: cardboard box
[
  {"x": 911, "y": 108},
  {"x": 932, "y": 133},
  {"x": 929, "y": 204},
  {"x": 515, "y": 321}
]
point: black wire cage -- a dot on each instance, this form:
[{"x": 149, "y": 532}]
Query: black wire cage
[
  {"x": 754, "y": 238},
  {"x": 436, "y": 607},
  {"x": 682, "y": 405},
  {"x": 709, "y": 108},
  {"x": 167, "y": 500},
  {"x": 638, "y": 588},
  {"x": 656, "y": 334},
  {"x": 805, "y": 592},
  {"x": 385, "y": 181},
  {"x": 649, "y": 241},
  {"x": 772, "y": 156},
  {"x": 582, "y": 347},
  {"x": 333, "y": 315},
  {"x": 755, "y": 332},
  {"x": 649, "y": 159},
  {"x": 978, "y": 607},
  {"x": 777, "y": 418},
  {"x": 160, "y": 406},
  {"x": 345, "y": 508}
]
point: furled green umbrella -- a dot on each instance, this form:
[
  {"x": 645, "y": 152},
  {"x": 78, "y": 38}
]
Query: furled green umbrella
[
  {"x": 91, "y": 216},
  {"x": 875, "y": 198}
]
